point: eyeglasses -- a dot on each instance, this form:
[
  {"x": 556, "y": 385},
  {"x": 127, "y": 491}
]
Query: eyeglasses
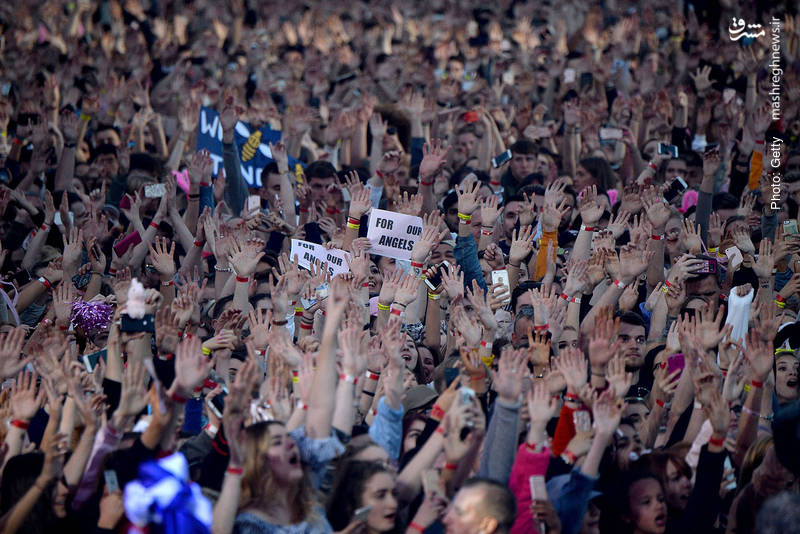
[
  {"x": 737, "y": 409},
  {"x": 640, "y": 340}
]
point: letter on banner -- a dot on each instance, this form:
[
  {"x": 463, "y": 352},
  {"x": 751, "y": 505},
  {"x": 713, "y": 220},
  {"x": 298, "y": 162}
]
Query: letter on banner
[
  {"x": 393, "y": 234},
  {"x": 308, "y": 253}
]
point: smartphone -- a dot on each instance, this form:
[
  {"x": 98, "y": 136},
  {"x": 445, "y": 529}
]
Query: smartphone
[
  {"x": 610, "y": 133},
  {"x": 430, "y": 482},
  {"x": 538, "y": 488},
  {"x": 582, "y": 421},
  {"x": 112, "y": 483},
  {"x": 734, "y": 257},
  {"x": 155, "y": 190},
  {"x": 217, "y": 404},
  {"x": 362, "y": 513},
  {"x": 587, "y": 78},
  {"x": 90, "y": 360},
  {"x": 80, "y": 281},
  {"x": 125, "y": 202},
  {"x": 500, "y": 276},
  {"x": 677, "y": 187},
  {"x": 145, "y": 324},
  {"x": 450, "y": 374},
  {"x": 131, "y": 240},
  {"x": 467, "y": 394},
  {"x": 709, "y": 265},
  {"x": 435, "y": 281},
  {"x": 569, "y": 75},
  {"x": 675, "y": 361},
  {"x": 253, "y": 203},
  {"x": 322, "y": 290},
  {"x": 501, "y": 158},
  {"x": 790, "y": 227},
  {"x": 670, "y": 150}
]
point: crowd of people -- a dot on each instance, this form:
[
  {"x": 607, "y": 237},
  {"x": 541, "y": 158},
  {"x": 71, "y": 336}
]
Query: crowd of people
[{"x": 593, "y": 329}]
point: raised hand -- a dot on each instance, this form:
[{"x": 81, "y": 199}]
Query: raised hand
[
  {"x": 690, "y": 236},
  {"x": 11, "y": 361},
  {"x": 489, "y": 211},
  {"x": 619, "y": 380},
  {"x": 191, "y": 366},
  {"x": 433, "y": 160},
  {"x": 603, "y": 342},
  {"x": 468, "y": 196},
  {"x": 521, "y": 245},
  {"x": 507, "y": 380},
  {"x": 766, "y": 260},
  {"x": 574, "y": 367},
  {"x": 161, "y": 257},
  {"x": 552, "y": 214},
  {"x": 541, "y": 405},
  {"x": 409, "y": 204},
  {"x": 453, "y": 282},
  {"x": 591, "y": 210},
  {"x": 244, "y": 258},
  {"x": 200, "y": 166},
  {"x": 24, "y": 400},
  {"x": 607, "y": 412},
  {"x": 633, "y": 262},
  {"x": 708, "y": 327},
  {"x": 431, "y": 236},
  {"x": 406, "y": 292},
  {"x": 351, "y": 342},
  {"x": 481, "y": 305},
  {"x": 759, "y": 354}
]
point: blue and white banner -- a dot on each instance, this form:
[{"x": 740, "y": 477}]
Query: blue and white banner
[{"x": 253, "y": 145}]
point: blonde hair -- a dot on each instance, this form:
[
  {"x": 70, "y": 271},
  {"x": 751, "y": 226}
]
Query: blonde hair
[{"x": 258, "y": 485}]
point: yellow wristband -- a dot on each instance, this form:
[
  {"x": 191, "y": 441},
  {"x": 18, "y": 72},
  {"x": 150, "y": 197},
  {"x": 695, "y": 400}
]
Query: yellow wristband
[
  {"x": 353, "y": 226},
  {"x": 433, "y": 297},
  {"x": 383, "y": 307},
  {"x": 206, "y": 351},
  {"x": 464, "y": 217}
]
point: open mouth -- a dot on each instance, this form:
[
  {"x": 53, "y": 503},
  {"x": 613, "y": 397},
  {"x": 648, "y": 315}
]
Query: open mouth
[
  {"x": 390, "y": 517},
  {"x": 792, "y": 383},
  {"x": 661, "y": 520},
  {"x": 294, "y": 460}
]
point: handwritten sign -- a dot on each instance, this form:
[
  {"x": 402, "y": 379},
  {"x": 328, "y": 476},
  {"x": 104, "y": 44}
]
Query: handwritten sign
[
  {"x": 393, "y": 234},
  {"x": 308, "y": 253},
  {"x": 252, "y": 145}
]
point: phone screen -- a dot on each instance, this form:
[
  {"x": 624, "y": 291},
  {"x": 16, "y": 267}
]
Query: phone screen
[
  {"x": 501, "y": 158},
  {"x": 670, "y": 150},
  {"x": 677, "y": 187},
  {"x": 676, "y": 361}
]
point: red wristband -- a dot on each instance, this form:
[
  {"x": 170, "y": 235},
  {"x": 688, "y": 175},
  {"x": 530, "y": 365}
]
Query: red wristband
[
  {"x": 198, "y": 243},
  {"x": 373, "y": 376},
  {"x": 427, "y": 184},
  {"x": 717, "y": 442},
  {"x": 242, "y": 278},
  {"x": 353, "y": 220},
  {"x": 757, "y": 383},
  {"x": 656, "y": 237},
  {"x": 572, "y": 396},
  {"x": 652, "y": 165},
  {"x": 177, "y": 398},
  {"x": 22, "y": 425},
  {"x": 483, "y": 343},
  {"x": 235, "y": 470},
  {"x": 660, "y": 403},
  {"x": 779, "y": 298},
  {"x": 45, "y": 282},
  {"x": 492, "y": 182},
  {"x": 153, "y": 225},
  {"x": 417, "y": 527},
  {"x": 205, "y": 184},
  {"x": 417, "y": 264},
  {"x": 760, "y": 142},
  {"x": 306, "y": 326},
  {"x": 349, "y": 378},
  {"x": 395, "y": 311},
  {"x": 44, "y": 227},
  {"x": 450, "y": 467},
  {"x": 541, "y": 328},
  {"x": 437, "y": 412}
]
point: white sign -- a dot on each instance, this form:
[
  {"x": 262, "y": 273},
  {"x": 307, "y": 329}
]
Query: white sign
[
  {"x": 393, "y": 234},
  {"x": 308, "y": 253}
]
